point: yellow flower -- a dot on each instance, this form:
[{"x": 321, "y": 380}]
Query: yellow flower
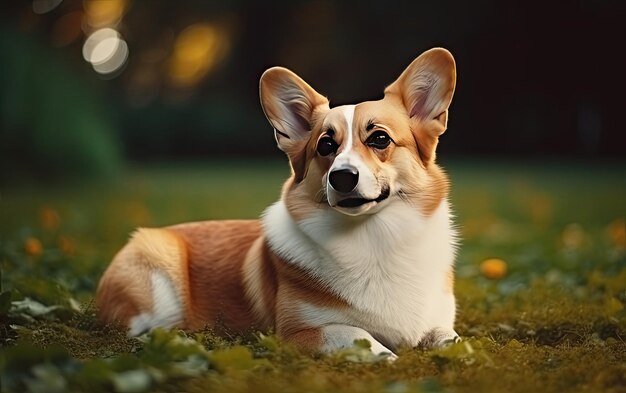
[
  {"x": 617, "y": 232},
  {"x": 33, "y": 247},
  {"x": 493, "y": 268}
]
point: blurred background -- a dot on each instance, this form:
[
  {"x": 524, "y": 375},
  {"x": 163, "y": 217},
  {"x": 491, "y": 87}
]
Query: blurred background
[
  {"x": 118, "y": 114},
  {"x": 89, "y": 86}
]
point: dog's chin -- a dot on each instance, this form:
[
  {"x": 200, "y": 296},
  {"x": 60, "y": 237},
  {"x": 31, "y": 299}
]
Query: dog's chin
[{"x": 356, "y": 205}]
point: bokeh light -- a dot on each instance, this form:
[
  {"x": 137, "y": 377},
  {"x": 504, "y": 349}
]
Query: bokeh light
[
  {"x": 94, "y": 39},
  {"x": 197, "y": 50},
  {"x": 101, "y": 13},
  {"x": 115, "y": 62},
  {"x": 105, "y": 50},
  {"x": 44, "y": 6}
]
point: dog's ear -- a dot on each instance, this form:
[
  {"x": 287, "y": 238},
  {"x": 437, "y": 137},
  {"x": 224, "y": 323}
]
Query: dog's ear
[
  {"x": 291, "y": 106},
  {"x": 426, "y": 88}
]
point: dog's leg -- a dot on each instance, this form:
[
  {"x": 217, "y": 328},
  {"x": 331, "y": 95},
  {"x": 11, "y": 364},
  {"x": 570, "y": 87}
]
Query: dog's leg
[
  {"x": 167, "y": 310},
  {"x": 333, "y": 337},
  {"x": 146, "y": 286},
  {"x": 442, "y": 332}
]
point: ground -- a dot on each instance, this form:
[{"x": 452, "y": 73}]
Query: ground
[{"x": 541, "y": 287}]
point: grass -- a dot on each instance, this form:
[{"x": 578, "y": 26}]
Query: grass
[{"x": 554, "y": 322}]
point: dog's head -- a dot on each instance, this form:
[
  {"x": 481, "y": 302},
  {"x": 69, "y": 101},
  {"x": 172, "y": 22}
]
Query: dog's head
[{"x": 356, "y": 159}]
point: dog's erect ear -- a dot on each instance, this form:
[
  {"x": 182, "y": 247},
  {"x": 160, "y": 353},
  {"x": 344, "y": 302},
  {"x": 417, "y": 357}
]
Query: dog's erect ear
[
  {"x": 289, "y": 104},
  {"x": 426, "y": 88}
]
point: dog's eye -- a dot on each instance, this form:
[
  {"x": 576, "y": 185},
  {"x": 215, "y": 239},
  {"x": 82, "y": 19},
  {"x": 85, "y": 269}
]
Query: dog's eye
[
  {"x": 326, "y": 145},
  {"x": 378, "y": 140}
]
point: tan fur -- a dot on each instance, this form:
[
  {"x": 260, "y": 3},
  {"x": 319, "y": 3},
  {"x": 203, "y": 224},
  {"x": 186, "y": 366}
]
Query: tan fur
[
  {"x": 260, "y": 282},
  {"x": 124, "y": 290},
  {"x": 450, "y": 281},
  {"x": 216, "y": 252}
]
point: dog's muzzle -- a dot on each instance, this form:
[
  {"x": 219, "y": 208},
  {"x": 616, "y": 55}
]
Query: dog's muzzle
[
  {"x": 343, "y": 185},
  {"x": 357, "y": 201}
]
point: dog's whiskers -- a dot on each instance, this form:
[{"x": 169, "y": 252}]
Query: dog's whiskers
[
  {"x": 320, "y": 197},
  {"x": 406, "y": 197}
]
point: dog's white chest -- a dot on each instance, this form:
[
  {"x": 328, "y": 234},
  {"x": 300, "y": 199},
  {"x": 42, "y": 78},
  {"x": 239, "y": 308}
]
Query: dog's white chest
[{"x": 390, "y": 267}]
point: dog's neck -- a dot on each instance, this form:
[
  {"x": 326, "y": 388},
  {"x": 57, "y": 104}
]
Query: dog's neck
[{"x": 329, "y": 240}]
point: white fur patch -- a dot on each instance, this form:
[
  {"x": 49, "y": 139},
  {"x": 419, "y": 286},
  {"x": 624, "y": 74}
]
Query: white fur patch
[
  {"x": 348, "y": 113},
  {"x": 345, "y": 157},
  {"x": 391, "y": 266},
  {"x": 342, "y": 336},
  {"x": 167, "y": 310},
  {"x": 367, "y": 186}
]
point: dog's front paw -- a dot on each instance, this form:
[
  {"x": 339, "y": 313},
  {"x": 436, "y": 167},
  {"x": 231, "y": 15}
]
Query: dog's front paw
[
  {"x": 450, "y": 341},
  {"x": 392, "y": 357},
  {"x": 439, "y": 338}
]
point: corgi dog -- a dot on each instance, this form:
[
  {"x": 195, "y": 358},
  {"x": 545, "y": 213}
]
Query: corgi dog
[{"x": 359, "y": 246}]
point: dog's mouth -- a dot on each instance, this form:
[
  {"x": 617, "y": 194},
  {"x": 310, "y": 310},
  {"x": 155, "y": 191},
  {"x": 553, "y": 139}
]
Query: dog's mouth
[{"x": 356, "y": 202}]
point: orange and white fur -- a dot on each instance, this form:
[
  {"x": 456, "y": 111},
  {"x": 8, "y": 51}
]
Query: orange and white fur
[{"x": 359, "y": 246}]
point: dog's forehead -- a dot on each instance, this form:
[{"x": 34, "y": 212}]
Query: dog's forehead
[
  {"x": 384, "y": 110},
  {"x": 359, "y": 115},
  {"x": 340, "y": 116},
  {"x": 355, "y": 119}
]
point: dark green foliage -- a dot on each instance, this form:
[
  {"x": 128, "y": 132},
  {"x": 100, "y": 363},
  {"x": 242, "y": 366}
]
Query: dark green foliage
[{"x": 51, "y": 124}]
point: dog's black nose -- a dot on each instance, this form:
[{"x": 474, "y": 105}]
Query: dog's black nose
[{"x": 344, "y": 179}]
